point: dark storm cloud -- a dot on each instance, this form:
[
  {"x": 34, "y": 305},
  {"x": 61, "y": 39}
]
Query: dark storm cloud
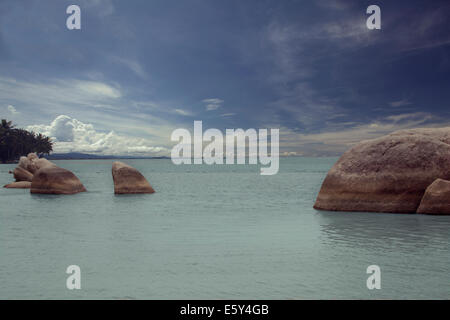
[{"x": 311, "y": 68}]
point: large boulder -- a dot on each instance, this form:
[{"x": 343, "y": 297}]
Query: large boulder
[
  {"x": 129, "y": 180},
  {"x": 436, "y": 199},
  {"x": 21, "y": 174},
  {"x": 388, "y": 174},
  {"x": 51, "y": 179},
  {"x": 19, "y": 185}
]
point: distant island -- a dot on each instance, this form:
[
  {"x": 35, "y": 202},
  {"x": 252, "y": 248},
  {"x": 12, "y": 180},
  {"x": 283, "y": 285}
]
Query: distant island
[{"x": 86, "y": 156}]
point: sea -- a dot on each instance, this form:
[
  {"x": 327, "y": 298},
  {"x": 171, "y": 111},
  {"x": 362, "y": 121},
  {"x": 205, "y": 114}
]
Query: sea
[{"x": 213, "y": 232}]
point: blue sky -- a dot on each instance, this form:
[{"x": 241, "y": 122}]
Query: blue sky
[{"x": 137, "y": 70}]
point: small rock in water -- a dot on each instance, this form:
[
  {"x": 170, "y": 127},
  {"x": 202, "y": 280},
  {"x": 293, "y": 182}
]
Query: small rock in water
[
  {"x": 128, "y": 180},
  {"x": 51, "y": 179},
  {"x": 42, "y": 162},
  {"x": 24, "y": 162},
  {"x": 43, "y": 176},
  {"x": 436, "y": 199},
  {"x": 19, "y": 185},
  {"x": 32, "y": 156},
  {"x": 21, "y": 174}
]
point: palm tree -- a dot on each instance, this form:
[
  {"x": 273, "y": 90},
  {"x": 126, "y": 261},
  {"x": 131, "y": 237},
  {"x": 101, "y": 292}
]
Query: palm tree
[
  {"x": 17, "y": 142},
  {"x": 6, "y": 125}
]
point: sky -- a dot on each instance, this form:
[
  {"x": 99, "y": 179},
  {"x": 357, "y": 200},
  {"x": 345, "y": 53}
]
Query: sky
[{"x": 137, "y": 70}]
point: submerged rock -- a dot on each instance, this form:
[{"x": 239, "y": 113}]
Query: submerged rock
[
  {"x": 388, "y": 174},
  {"x": 51, "y": 179},
  {"x": 436, "y": 199},
  {"x": 128, "y": 180},
  {"x": 21, "y": 174},
  {"x": 19, "y": 185}
]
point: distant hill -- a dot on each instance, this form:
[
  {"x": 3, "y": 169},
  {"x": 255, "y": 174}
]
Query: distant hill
[{"x": 80, "y": 156}]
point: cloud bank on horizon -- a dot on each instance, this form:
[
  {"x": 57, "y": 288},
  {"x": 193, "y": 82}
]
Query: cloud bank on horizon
[
  {"x": 138, "y": 70},
  {"x": 72, "y": 135}
]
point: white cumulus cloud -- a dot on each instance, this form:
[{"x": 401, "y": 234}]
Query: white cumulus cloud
[
  {"x": 12, "y": 109},
  {"x": 72, "y": 135}
]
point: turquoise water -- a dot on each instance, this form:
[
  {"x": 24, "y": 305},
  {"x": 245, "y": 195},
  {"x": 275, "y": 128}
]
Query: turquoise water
[{"x": 213, "y": 232}]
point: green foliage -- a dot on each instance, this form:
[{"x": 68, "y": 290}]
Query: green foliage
[{"x": 19, "y": 142}]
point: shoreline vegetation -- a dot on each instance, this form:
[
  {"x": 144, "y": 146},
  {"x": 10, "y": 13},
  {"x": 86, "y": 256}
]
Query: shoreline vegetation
[{"x": 15, "y": 142}]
